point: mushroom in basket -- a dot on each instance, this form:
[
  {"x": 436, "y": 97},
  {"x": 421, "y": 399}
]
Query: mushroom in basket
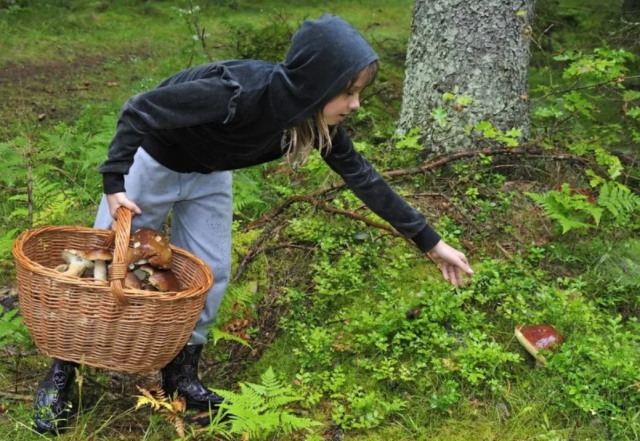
[
  {"x": 157, "y": 280},
  {"x": 78, "y": 261},
  {"x": 149, "y": 246}
]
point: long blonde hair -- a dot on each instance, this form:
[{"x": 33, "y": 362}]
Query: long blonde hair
[{"x": 314, "y": 131}]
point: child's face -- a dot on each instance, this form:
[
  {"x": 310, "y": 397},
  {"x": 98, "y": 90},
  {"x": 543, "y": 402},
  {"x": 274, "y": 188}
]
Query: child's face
[{"x": 340, "y": 106}]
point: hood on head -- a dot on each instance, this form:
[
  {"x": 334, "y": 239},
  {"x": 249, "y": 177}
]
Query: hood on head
[{"x": 325, "y": 54}]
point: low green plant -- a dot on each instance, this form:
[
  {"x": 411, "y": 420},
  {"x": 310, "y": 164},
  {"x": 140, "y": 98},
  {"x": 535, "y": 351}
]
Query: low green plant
[
  {"x": 258, "y": 411},
  {"x": 358, "y": 409},
  {"x": 12, "y": 332},
  {"x": 573, "y": 209}
]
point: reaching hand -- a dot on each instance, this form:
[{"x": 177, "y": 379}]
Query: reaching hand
[
  {"x": 116, "y": 200},
  {"x": 452, "y": 262}
]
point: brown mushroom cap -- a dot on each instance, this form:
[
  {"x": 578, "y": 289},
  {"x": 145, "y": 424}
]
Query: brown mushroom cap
[
  {"x": 537, "y": 337},
  {"x": 150, "y": 246},
  {"x": 164, "y": 281},
  {"x": 131, "y": 281},
  {"x": 98, "y": 254}
]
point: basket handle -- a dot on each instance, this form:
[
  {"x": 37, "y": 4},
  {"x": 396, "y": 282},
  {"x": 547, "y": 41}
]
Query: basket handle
[{"x": 119, "y": 265}]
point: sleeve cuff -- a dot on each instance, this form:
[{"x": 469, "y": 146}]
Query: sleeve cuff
[
  {"x": 113, "y": 183},
  {"x": 426, "y": 239}
]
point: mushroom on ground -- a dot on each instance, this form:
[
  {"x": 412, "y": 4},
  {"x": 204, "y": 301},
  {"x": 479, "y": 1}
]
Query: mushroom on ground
[
  {"x": 76, "y": 261},
  {"x": 537, "y": 337},
  {"x": 149, "y": 246}
]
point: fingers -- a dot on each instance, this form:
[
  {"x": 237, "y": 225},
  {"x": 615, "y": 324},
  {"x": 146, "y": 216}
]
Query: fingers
[
  {"x": 454, "y": 275},
  {"x": 116, "y": 200},
  {"x": 453, "y": 263},
  {"x": 452, "y": 271},
  {"x": 465, "y": 265},
  {"x": 445, "y": 271},
  {"x": 132, "y": 206}
]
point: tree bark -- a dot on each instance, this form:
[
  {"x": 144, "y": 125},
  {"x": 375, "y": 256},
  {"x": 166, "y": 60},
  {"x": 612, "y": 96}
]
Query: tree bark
[
  {"x": 476, "y": 49},
  {"x": 631, "y": 10}
]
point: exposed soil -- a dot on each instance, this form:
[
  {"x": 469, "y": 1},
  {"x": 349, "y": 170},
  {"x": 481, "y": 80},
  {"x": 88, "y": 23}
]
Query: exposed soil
[{"x": 55, "y": 90}]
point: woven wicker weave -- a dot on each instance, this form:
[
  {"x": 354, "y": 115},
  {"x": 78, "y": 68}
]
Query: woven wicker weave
[{"x": 99, "y": 323}]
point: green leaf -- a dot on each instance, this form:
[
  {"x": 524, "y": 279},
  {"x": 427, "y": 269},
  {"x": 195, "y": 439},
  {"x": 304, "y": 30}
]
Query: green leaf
[
  {"x": 514, "y": 133},
  {"x": 464, "y": 100},
  {"x": 635, "y": 113},
  {"x": 219, "y": 334},
  {"x": 440, "y": 116},
  {"x": 483, "y": 125}
]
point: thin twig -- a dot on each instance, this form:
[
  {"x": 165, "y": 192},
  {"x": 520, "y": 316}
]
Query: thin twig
[
  {"x": 591, "y": 86},
  {"x": 438, "y": 162},
  {"x": 268, "y": 232},
  {"x": 442, "y": 196}
]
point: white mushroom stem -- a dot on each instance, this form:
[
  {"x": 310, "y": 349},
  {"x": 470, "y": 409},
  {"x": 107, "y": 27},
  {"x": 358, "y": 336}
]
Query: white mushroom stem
[
  {"x": 100, "y": 270},
  {"x": 77, "y": 265}
]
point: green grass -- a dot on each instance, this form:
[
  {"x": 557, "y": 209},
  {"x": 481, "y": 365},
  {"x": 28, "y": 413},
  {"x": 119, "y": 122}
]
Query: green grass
[{"x": 51, "y": 49}]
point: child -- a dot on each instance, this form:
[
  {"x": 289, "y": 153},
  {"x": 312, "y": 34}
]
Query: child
[{"x": 176, "y": 145}]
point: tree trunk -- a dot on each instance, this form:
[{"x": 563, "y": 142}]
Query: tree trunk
[
  {"x": 631, "y": 10},
  {"x": 460, "y": 49}
]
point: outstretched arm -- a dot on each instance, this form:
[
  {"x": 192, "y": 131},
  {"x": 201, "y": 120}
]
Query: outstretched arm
[{"x": 373, "y": 190}]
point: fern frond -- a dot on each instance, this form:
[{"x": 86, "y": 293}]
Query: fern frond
[
  {"x": 239, "y": 294},
  {"x": 277, "y": 402},
  {"x": 219, "y": 334},
  {"x": 571, "y": 211},
  {"x": 258, "y": 389},
  {"x": 178, "y": 424},
  {"x": 618, "y": 200},
  {"x": 258, "y": 410},
  {"x": 147, "y": 398},
  {"x": 291, "y": 423},
  {"x": 272, "y": 385},
  {"x": 246, "y": 191}
]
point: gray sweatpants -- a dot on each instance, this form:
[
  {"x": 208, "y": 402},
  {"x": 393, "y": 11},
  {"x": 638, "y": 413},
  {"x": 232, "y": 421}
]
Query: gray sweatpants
[{"x": 201, "y": 222}]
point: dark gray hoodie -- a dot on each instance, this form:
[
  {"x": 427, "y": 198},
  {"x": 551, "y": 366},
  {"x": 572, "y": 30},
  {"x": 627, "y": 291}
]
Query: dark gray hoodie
[{"x": 232, "y": 114}]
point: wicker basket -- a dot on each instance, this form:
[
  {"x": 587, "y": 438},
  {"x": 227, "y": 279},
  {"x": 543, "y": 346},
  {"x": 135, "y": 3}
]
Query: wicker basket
[{"x": 96, "y": 322}]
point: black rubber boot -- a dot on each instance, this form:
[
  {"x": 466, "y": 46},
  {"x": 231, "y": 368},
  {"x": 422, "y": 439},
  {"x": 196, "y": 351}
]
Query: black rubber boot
[
  {"x": 181, "y": 375},
  {"x": 51, "y": 403}
]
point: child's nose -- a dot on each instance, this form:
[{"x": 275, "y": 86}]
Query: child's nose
[{"x": 355, "y": 104}]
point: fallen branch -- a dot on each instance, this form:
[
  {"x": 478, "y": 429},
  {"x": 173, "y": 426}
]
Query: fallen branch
[
  {"x": 442, "y": 196},
  {"x": 439, "y": 162},
  {"x": 256, "y": 246},
  {"x": 282, "y": 246},
  {"x": 590, "y": 86},
  {"x": 348, "y": 214},
  {"x": 269, "y": 231}
]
